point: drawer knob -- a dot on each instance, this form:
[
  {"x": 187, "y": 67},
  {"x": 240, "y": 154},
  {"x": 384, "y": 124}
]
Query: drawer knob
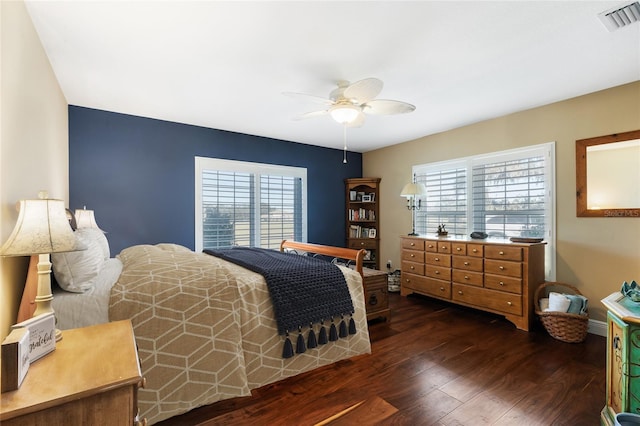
[
  {"x": 475, "y": 250},
  {"x": 437, "y": 272},
  {"x": 509, "y": 303},
  {"x": 458, "y": 249},
  {"x": 466, "y": 263},
  {"x": 502, "y": 268},
  {"x": 437, "y": 259},
  {"x": 501, "y": 283},
  {"x": 441, "y": 288},
  {"x": 408, "y": 280},
  {"x": 460, "y": 292},
  {"x": 413, "y": 255},
  {"x": 444, "y": 247},
  {"x": 412, "y": 267},
  {"x": 361, "y": 244},
  {"x": 412, "y": 244},
  {"x": 501, "y": 253},
  {"x": 430, "y": 245},
  {"x": 466, "y": 277}
]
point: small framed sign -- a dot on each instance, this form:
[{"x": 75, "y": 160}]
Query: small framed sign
[
  {"x": 366, "y": 198},
  {"x": 42, "y": 335},
  {"x": 14, "y": 359}
]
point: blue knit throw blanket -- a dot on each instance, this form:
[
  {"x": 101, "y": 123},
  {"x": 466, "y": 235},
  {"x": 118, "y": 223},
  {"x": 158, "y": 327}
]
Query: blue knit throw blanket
[{"x": 304, "y": 290}]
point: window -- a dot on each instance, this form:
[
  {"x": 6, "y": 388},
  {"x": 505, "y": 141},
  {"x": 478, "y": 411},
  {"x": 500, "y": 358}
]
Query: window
[
  {"x": 505, "y": 194},
  {"x": 249, "y": 204}
]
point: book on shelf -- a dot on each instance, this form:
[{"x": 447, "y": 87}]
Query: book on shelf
[{"x": 357, "y": 231}]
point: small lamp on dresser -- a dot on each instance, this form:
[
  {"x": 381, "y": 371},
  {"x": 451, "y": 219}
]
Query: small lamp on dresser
[
  {"x": 42, "y": 228},
  {"x": 413, "y": 191}
]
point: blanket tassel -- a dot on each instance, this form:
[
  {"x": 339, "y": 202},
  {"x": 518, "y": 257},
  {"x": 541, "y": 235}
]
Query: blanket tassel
[
  {"x": 352, "y": 326},
  {"x": 311, "y": 340},
  {"x": 322, "y": 337},
  {"x": 333, "y": 332},
  {"x": 300, "y": 346},
  {"x": 287, "y": 351},
  {"x": 343, "y": 328}
]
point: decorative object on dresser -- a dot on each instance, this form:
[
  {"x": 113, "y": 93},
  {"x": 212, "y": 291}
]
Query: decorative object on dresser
[
  {"x": 14, "y": 359},
  {"x": 42, "y": 228},
  {"x": 102, "y": 361},
  {"x": 363, "y": 218},
  {"x": 494, "y": 275},
  {"x": 42, "y": 334},
  {"x": 623, "y": 358},
  {"x": 413, "y": 191}
]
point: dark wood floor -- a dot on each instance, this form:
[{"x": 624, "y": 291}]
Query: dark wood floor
[{"x": 438, "y": 364}]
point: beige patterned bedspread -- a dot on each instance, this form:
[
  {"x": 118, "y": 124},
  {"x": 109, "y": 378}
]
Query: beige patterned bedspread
[{"x": 205, "y": 329}]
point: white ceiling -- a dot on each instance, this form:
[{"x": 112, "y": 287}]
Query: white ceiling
[{"x": 225, "y": 64}]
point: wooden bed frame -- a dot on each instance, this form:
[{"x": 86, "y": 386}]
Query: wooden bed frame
[{"x": 356, "y": 256}]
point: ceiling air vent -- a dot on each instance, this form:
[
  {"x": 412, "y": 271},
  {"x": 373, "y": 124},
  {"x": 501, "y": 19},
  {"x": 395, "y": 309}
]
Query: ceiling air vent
[{"x": 620, "y": 16}]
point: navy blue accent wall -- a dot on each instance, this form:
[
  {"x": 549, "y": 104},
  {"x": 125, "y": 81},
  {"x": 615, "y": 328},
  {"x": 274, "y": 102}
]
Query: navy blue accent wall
[{"x": 137, "y": 174}]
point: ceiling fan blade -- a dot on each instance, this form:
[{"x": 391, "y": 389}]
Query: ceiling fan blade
[
  {"x": 364, "y": 90},
  {"x": 358, "y": 121},
  {"x": 311, "y": 114},
  {"x": 306, "y": 97},
  {"x": 387, "y": 107}
]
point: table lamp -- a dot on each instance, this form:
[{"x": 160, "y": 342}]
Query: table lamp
[
  {"x": 42, "y": 228},
  {"x": 412, "y": 191},
  {"x": 86, "y": 219}
]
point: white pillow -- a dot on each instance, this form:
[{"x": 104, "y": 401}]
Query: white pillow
[{"x": 76, "y": 271}]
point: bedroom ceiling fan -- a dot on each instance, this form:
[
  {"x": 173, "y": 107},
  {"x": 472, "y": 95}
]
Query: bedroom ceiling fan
[{"x": 349, "y": 102}]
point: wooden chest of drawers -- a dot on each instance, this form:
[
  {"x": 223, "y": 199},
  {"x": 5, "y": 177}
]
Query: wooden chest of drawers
[{"x": 494, "y": 275}]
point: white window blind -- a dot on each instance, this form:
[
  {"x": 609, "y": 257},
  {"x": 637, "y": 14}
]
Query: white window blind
[
  {"x": 504, "y": 194},
  {"x": 248, "y": 204}
]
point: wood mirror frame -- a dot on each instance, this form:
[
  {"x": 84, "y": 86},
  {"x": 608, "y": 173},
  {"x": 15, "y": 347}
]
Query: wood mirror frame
[{"x": 582, "y": 209}]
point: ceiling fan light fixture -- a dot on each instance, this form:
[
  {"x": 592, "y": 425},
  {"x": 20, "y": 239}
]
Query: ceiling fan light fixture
[{"x": 344, "y": 113}]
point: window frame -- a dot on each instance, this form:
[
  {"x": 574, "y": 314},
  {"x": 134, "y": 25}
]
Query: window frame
[
  {"x": 203, "y": 164},
  {"x": 546, "y": 149}
]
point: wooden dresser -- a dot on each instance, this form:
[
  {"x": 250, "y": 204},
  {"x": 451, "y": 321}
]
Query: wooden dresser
[
  {"x": 623, "y": 358},
  {"x": 494, "y": 275},
  {"x": 91, "y": 378}
]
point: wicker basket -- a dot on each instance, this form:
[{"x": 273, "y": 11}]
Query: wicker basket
[{"x": 570, "y": 328}]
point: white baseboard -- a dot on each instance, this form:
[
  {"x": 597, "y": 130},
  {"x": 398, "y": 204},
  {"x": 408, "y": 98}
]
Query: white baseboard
[{"x": 597, "y": 327}]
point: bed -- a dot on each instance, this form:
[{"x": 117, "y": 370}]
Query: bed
[{"x": 205, "y": 327}]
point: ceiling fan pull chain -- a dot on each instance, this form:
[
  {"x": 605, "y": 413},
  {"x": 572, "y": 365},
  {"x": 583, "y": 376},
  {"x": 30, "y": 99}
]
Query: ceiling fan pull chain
[{"x": 344, "y": 137}]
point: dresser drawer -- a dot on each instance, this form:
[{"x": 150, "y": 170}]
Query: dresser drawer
[
  {"x": 427, "y": 286},
  {"x": 362, "y": 243},
  {"x": 475, "y": 250},
  {"x": 466, "y": 277},
  {"x": 413, "y": 256},
  {"x": 492, "y": 300},
  {"x": 438, "y": 259},
  {"x": 501, "y": 267},
  {"x": 467, "y": 263},
  {"x": 496, "y": 282},
  {"x": 431, "y": 246},
  {"x": 413, "y": 244},
  {"x": 459, "y": 249},
  {"x": 502, "y": 252},
  {"x": 413, "y": 267},
  {"x": 441, "y": 273}
]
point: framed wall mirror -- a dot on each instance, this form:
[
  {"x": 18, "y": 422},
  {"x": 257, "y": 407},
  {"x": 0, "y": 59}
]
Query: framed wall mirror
[{"x": 608, "y": 176}]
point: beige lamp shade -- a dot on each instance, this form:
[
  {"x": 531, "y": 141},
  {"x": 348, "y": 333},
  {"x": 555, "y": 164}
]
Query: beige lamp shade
[
  {"x": 413, "y": 190},
  {"x": 86, "y": 219},
  {"x": 42, "y": 227}
]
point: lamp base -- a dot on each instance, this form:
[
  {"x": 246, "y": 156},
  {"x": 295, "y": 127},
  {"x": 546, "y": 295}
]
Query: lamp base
[{"x": 412, "y": 234}]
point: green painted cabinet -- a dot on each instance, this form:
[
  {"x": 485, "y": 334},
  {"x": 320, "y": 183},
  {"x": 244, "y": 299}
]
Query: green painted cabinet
[{"x": 623, "y": 358}]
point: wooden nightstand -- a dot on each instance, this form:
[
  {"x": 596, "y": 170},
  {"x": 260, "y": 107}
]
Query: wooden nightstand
[
  {"x": 92, "y": 378},
  {"x": 376, "y": 294}
]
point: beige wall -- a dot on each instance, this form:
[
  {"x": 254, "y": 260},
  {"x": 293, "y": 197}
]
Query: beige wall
[
  {"x": 594, "y": 254},
  {"x": 34, "y": 153}
]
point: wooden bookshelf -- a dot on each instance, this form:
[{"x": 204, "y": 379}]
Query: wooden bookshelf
[{"x": 363, "y": 218}]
